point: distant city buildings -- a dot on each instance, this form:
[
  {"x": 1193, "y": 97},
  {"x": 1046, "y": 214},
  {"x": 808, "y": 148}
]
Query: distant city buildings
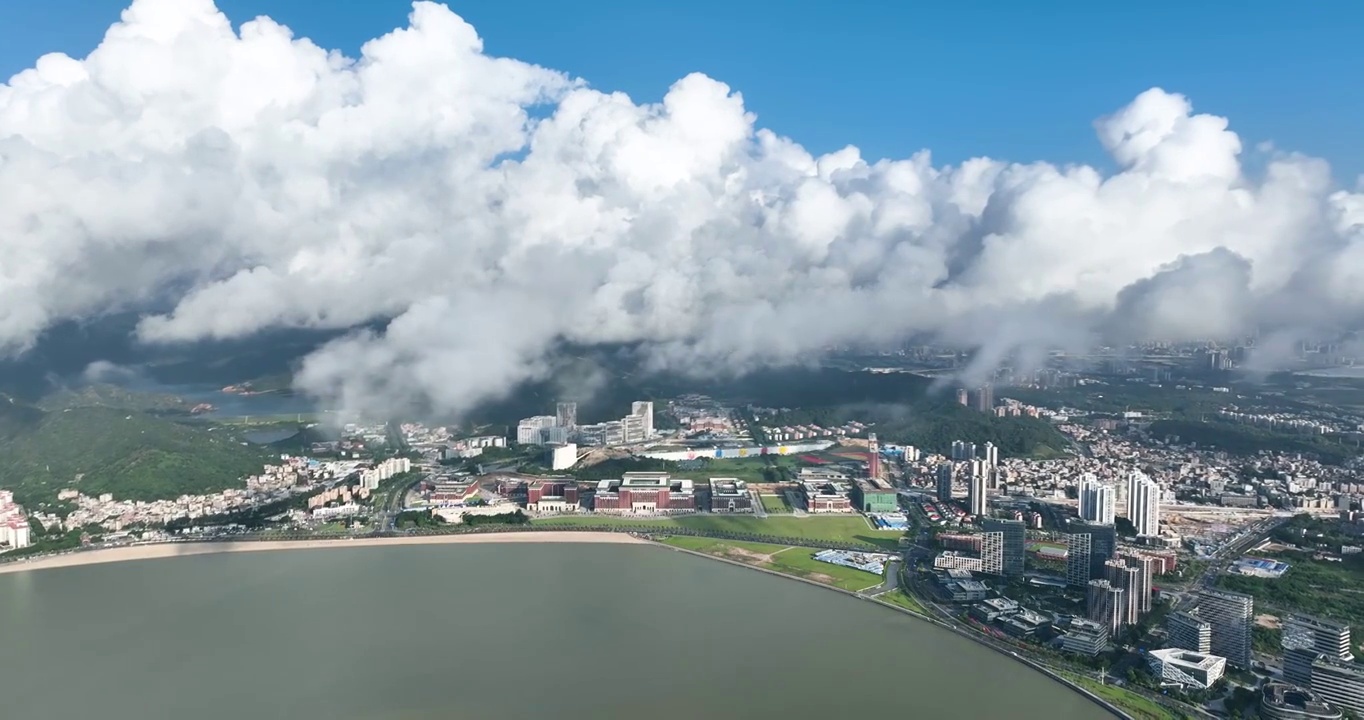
[
  {"x": 566, "y": 415},
  {"x": 944, "y": 478},
  {"x": 563, "y": 427}
]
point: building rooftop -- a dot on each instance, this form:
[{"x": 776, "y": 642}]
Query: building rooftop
[
  {"x": 1300, "y": 701},
  {"x": 721, "y": 487},
  {"x": 1188, "y": 658}
]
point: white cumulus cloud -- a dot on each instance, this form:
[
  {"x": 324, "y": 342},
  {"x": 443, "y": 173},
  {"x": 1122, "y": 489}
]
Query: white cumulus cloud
[{"x": 485, "y": 210}]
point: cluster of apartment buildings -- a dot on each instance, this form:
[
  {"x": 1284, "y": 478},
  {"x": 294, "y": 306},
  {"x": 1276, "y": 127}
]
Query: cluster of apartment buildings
[
  {"x": 372, "y": 476},
  {"x": 562, "y": 427},
  {"x": 292, "y": 476},
  {"x": 790, "y": 433},
  {"x": 14, "y": 528}
]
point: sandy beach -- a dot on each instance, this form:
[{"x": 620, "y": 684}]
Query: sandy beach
[{"x": 180, "y": 549}]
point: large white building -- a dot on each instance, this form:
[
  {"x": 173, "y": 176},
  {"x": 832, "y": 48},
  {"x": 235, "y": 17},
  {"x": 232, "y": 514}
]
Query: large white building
[
  {"x": 370, "y": 478},
  {"x": 1186, "y": 667},
  {"x": 533, "y": 430},
  {"x": 14, "y": 530},
  {"x": 1096, "y": 501},
  {"x": 1143, "y": 504},
  {"x": 644, "y": 409}
]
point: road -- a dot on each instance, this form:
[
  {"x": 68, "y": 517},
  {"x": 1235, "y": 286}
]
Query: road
[
  {"x": 758, "y": 509},
  {"x": 1252, "y": 537},
  {"x": 892, "y": 581}
]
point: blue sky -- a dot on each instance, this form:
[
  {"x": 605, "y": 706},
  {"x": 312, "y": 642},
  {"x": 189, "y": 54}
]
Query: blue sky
[{"x": 1020, "y": 81}]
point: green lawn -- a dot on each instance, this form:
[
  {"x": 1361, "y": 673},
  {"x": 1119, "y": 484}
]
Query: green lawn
[
  {"x": 847, "y": 528},
  {"x": 900, "y": 598},
  {"x": 1133, "y": 704},
  {"x": 711, "y": 546},
  {"x": 775, "y": 503},
  {"x": 797, "y": 561}
]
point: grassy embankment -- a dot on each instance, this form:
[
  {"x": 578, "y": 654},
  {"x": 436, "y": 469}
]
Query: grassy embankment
[
  {"x": 849, "y": 529},
  {"x": 796, "y": 561},
  {"x": 904, "y": 600},
  {"x": 1137, "y": 706}
]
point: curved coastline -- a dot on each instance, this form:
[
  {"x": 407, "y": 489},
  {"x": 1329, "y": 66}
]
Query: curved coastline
[
  {"x": 1107, "y": 706},
  {"x": 184, "y": 548},
  {"x": 168, "y": 549}
]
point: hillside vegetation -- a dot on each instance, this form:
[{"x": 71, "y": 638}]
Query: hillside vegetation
[
  {"x": 932, "y": 425},
  {"x": 1249, "y": 440},
  {"x": 134, "y": 455}
]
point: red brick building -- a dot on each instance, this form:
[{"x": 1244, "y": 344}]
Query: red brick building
[
  {"x": 552, "y": 496},
  {"x": 644, "y": 492}
]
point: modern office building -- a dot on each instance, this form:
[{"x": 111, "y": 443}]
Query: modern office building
[
  {"x": 992, "y": 553},
  {"x": 1340, "y": 683},
  {"x": 1104, "y": 605},
  {"x": 1088, "y": 546},
  {"x": 945, "y": 482},
  {"x": 1186, "y": 667},
  {"x": 566, "y": 414},
  {"x": 1143, "y": 504},
  {"x": 1188, "y": 631},
  {"x": 1096, "y": 501},
  {"x": 1230, "y": 615},
  {"x": 975, "y": 494},
  {"x": 730, "y": 495},
  {"x": 1077, "y": 559},
  {"x": 872, "y": 499},
  {"x": 1305, "y": 638},
  {"x": 644, "y": 492},
  {"x": 1013, "y": 543},
  {"x": 1085, "y": 637},
  {"x": 1281, "y": 701}
]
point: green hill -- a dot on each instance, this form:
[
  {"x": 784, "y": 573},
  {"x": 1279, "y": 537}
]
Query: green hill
[{"x": 134, "y": 455}]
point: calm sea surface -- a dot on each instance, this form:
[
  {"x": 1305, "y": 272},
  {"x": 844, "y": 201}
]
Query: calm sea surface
[{"x": 483, "y": 631}]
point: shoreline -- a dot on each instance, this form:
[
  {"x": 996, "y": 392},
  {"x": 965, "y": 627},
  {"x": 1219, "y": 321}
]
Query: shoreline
[
  {"x": 153, "y": 551},
  {"x": 161, "y": 550},
  {"x": 1012, "y": 655}
]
